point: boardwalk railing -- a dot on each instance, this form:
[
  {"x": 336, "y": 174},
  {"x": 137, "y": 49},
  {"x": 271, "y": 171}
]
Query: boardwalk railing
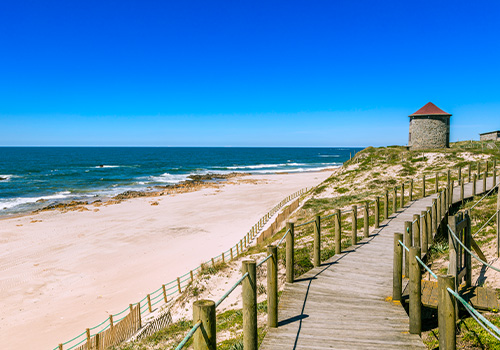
[
  {"x": 428, "y": 223},
  {"x": 458, "y": 228},
  {"x": 119, "y": 327}
]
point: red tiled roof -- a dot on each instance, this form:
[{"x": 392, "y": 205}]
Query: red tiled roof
[{"x": 430, "y": 109}]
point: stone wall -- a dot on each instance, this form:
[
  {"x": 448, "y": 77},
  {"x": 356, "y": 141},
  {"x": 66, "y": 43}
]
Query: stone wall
[
  {"x": 429, "y": 132},
  {"x": 495, "y": 136}
]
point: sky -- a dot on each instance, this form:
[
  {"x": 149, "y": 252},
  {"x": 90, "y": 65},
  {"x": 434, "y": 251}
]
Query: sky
[{"x": 244, "y": 73}]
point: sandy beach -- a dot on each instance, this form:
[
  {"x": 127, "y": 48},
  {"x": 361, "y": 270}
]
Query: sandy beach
[{"x": 64, "y": 272}]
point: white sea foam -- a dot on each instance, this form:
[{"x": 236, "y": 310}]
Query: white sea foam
[
  {"x": 328, "y": 155},
  {"x": 169, "y": 178},
  {"x": 6, "y": 177},
  {"x": 14, "y": 202},
  {"x": 263, "y": 166},
  {"x": 106, "y": 166}
]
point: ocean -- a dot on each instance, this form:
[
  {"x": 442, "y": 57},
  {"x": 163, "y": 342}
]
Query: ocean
[{"x": 34, "y": 177}]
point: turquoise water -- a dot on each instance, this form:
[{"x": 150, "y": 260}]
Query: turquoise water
[{"x": 58, "y": 174}]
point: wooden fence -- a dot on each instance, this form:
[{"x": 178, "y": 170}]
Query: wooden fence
[{"x": 278, "y": 222}]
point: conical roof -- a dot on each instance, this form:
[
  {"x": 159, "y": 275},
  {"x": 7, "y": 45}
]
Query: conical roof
[{"x": 430, "y": 109}]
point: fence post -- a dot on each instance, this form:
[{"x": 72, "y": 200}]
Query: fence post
[
  {"x": 377, "y": 213},
  {"x": 434, "y": 217},
  {"x": 338, "y": 228},
  {"x": 469, "y": 171},
  {"x": 444, "y": 209},
  {"x": 408, "y": 242},
  {"x": 428, "y": 214},
  {"x": 397, "y": 272},
  {"x": 474, "y": 183},
  {"x": 450, "y": 198},
  {"x": 386, "y": 205},
  {"x": 423, "y": 186},
  {"x": 149, "y": 303},
  {"x": 402, "y": 202},
  {"x": 97, "y": 341},
  {"x": 366, "y": 220},
  {"x": 438, "y": 213},
  {"x": 459, "y": 174},
  {"x": 423, "y": 231},
  {"x": 446, "y": 313},
  {"x": 410, "y": 194},
  {"x": 60, "y": 347},
  {"x": 415, "y": 292},
  {"x": 317, "y": 241},
  {"x": 484, "y": 182},
  {"x": 289, "y": 258},
  {"x": 448, "y": 177},
  {"x": 437, "y": 182},
  {"x": 89, "y": 344},
  {"x": 354, "y": 230},
  {"x": 179, "y": 285},
  {"x": 111, "y": 328},
  {"x": 498, "y": 224},
  {"x": 462, "y": 191},
  {"x": 272, "y": 287},
  {"x": 487, "y": 168},
  {"x": 494, "y": 177},
  {"x": 249, "y": 296},
  {"x": 205, "y": 337},
  {"x": 452, "y": 246},
  {"x": 468, "y": 257},
  {"x": 395, "y": 200},
  {"x": 416, "y": 230}
]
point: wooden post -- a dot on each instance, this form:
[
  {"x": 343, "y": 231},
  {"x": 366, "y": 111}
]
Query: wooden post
[
  {"x": 402, "y": 198},
  {"x": 459, "y": 174},
  {"x": 205, "y": 337},
  {"x": 111, "y": 328},
  {"x": 468, "y": 257},
  {"x": 487, "y": 168},
  {"x": 213, "y": 262},
  {"x": 452, "y": 246},
  {"x": 164, "y": 293},
  {"x": 469, "y": 172},
  {"x": 423, "y": 186},
  {"x": 272, "y": 287},
  {"x": 434, "y": 217},
  {"x": 462, "y": 191},
  {"x": 452, "y": 186},
  {"x": 60, "y": 347},
  {"x": 498, "y": 224},
  {"x": 444, "y": 210},
  {"x": 338, "y": 228},
  {"x": 395, "y": 200},
  {"x": 408, "y": 242},
  {"x": 231, "y": 251},
  {"x": 289, "y": 258},
  {"x": 410, "y": 194},
  {"x": 317, "y": 241},
  {"x": 416, "y": 230},
  {"x": 249, "y": 296},
  {"x": 223, "y": 259},
  {"x": 484, "y": 182},
  {"x": 437, "y": 182},
  {"x": 397, "y": 273},
  {"x": 448, "y": 177},
  {"x": 446, "y": 313},
  {"x": 494, "y": 177},
  {"x": 438, "y": 212},
  {"x": 179, "y": 284},
  {"x": 386, "y": 205},
  {"x": 366, "y": 220},
  {"x": 354, "y": 229},
  {"x": 423, "y": 232},
  {"x": 478, "y": 168},
  {"x": 415, "y": 292},
  {"x": 428, "y": 214},
  {"x": 97, "y": 341},
  {"x": 149, "y": 303},
  {"x": 89, "y": 344},
  {"x": 377, "y": 213},
  {"x": 474, "y": 181}
]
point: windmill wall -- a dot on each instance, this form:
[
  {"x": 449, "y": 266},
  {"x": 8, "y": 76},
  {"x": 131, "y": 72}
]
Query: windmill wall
[{"x": 429, "y": 132}]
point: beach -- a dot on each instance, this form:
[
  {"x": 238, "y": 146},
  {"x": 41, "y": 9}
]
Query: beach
[{"x": 63, "y": 272}]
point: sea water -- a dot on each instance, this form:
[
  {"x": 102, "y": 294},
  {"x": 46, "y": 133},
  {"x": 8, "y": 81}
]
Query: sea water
[{"x": 34, "y": 177}]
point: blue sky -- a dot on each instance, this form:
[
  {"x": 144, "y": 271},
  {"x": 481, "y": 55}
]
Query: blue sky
[{"x": 244, "y": 73}]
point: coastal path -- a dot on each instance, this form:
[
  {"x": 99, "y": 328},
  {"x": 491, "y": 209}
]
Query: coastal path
[{"x": 345, "y": 303}]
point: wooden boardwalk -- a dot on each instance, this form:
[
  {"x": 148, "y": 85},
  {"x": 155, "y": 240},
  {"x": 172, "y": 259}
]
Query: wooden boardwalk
[{"x": 345, "y": 303}]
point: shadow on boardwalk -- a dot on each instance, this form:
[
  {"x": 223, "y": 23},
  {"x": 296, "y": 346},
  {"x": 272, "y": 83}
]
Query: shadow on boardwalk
[{"x": 344, "y": 303}]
